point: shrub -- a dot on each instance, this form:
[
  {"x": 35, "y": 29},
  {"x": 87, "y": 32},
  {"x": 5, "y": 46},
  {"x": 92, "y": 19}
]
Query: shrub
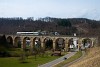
[{"x": 14, "y": 53}]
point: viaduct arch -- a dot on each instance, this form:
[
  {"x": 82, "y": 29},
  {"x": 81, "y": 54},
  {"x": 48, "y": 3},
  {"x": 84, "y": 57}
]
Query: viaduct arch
[{"x": 64, "y": 42}]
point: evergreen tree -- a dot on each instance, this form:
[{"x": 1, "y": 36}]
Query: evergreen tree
[{"x": 64, "y": 22}]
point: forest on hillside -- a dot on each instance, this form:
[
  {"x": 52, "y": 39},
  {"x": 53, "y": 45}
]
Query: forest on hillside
[{"x": 69, "y": 26}]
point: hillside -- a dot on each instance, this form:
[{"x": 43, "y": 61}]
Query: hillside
[
  {"x": 81, "y": 26},
  {"x": 91, "y": 59}
]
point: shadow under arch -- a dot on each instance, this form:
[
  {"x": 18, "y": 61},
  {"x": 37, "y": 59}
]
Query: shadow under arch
[
  {"x": 17, "y": 42},
  {"x": 72, "y": 44},
  {"x": 10, "y": 41},
  {"x": 26, "y": 43},
  {"x": 86, "y": 43},
  {"x": 48, "y": 43},
  {"x": 59, "y": 44},
  {"x": 36, "y": 42}
]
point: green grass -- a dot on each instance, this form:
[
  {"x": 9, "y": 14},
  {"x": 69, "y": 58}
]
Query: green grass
[
  {"x": 15, "y": 62},
  {"x": 76, "y": 56}
]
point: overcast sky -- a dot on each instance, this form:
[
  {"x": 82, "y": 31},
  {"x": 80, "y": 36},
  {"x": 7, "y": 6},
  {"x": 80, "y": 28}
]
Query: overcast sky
[{"x": 53, "y": 8}]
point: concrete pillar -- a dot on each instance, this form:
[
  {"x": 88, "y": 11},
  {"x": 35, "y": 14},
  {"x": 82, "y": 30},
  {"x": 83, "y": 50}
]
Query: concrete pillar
[
  {"x": 66, "y": 44},
  {"x": 13, "y": 41},
  {"x": 92, "y": 43},
  {"x": 79, "y": 43},
  {"x": 54, "y": 45},
  {"x": 31, "y": 44},
  {"x": 42, "y": 43},
  {"x": 22, "y": 43}
]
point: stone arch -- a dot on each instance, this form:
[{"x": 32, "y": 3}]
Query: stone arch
[
  {"x": 26, "y": 43},
  {"x": 17, "y": 42},
  {"x": 10, "y": 40},
  {"x": 86, "y": 42},
  {"x": 48, "y": 43},
  {"x": 59, "y": 44},
  {"x": 37, "y": 42}
]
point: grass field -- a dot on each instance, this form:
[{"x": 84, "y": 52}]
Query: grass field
[
  {"x": 31, "y": 62},
  {"x": 91, "y": 59},
  {"x": 76, "y": 56}
]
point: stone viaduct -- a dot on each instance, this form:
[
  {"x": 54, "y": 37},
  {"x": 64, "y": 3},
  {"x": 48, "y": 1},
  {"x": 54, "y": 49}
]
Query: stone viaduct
[{"x": 14, "y": 38}]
